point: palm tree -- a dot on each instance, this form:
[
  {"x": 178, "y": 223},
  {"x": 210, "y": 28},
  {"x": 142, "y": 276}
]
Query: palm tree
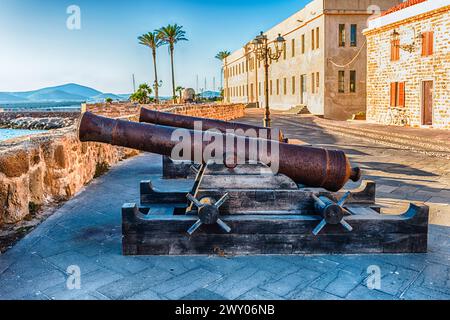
[
  {"x": 180, "y": 89},
  {"x": 222, "y": 56},
  {"x": 170, "y": 35},
  {"x": 152, "y": 41},
  {"x": 142, "y": 95}
]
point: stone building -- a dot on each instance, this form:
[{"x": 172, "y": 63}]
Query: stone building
[
  {"x": 323, "y": 66},
  {"x": 408, "y": 79}
]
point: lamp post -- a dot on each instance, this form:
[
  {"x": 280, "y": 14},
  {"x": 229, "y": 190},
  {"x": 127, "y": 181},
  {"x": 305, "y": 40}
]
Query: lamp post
[{"x": 264, "y": 52}]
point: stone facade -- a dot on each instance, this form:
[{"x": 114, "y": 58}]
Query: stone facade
[
  {"x": 412, "y": 68},
  {"x": 307, "y": 74},
  {"x": 55, "y": 166}
]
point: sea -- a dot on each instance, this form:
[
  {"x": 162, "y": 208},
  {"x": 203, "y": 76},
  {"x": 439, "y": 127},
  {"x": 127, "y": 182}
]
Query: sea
[
  {"x": 6, "y": 134},
  {"x": 41, "y": 106},
  {"x": 66, "y": 106}
]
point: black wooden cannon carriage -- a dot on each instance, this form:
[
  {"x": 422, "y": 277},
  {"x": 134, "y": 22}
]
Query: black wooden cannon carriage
[{"x": 248, "y": 209}]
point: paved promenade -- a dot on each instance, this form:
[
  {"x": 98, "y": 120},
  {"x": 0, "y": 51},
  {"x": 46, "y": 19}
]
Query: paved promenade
[{"x": 86, "y": 232}]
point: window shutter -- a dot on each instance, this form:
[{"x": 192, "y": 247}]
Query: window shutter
[
  {"x": 430, "y": 42},
  {"x": 427, "y": 43},
  {"x": 392, "y": 95},
  {"x": 401, "y": 94}
]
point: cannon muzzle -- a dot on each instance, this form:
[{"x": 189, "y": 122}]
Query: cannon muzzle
[
  {"x": 309, "y": 166},
  {"x": 187, "y": 122}
]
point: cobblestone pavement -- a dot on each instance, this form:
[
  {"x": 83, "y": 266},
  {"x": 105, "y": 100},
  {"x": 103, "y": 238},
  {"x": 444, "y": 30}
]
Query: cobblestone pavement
[{"x": 86, "y": 232}]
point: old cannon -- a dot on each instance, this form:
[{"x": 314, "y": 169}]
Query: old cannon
[
  {"x": 176, "y": 169},
  {"x": 187, "y": 122},
  {"x": 247, "y": 208},
  {"x": 313, "y": 167}
]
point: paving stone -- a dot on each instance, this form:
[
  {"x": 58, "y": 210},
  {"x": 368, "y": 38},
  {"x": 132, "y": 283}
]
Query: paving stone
[
  {"x": 133, "y": 284},
  {"x": 338, "y": 282},
  {"x": 421, "y": 293},
  {"x": 35, "y": 286},
  {"x": 148, "y": 295},
  {"x": 90, "y": 282},
  {"x": 312, "y": 294},
  {"x": 203, "y": 294},
  {"x": 277, "y": 267},
  {"x": 259, "y": 294},
  {"x": 362, "y": 292},
  {"x": 316, "y": 263},
  {"x": 176, "y": 265},
  {"x": 121, "y": 264},
  {"x": 236, "y": 284},
  {"x": 182, "y": 285},
  {"x": 291, "y": 282},
  {"x": 66, "y": 259},
  {"x": 223, "y": 265},
  {"x": 435, "y": 277}
]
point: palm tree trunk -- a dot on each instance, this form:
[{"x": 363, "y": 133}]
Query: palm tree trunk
[
  {"x": 173, "y": 72},
  {"x": 156, "y": 78}
]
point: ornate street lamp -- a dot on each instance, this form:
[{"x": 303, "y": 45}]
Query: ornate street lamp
[
  {"x": 264, "y": 52},
  {"x": 395, "y": 38}
]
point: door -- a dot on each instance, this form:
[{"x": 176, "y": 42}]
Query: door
[
  {"x": 302, "y": 88},
  {"x": 427, "y": 103}
]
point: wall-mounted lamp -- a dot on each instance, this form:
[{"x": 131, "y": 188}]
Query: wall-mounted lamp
[{"x": 395, "y": 38}]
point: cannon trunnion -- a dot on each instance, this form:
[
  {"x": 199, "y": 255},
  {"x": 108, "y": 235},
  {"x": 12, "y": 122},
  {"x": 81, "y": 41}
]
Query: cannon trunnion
[{"x": 249, "y": 210}]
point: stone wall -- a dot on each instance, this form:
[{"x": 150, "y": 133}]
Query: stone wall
[
  {"x": 412, "y": 68},
  {"x": 214, "y": 111},
  {"x": 51, "y": 167}
]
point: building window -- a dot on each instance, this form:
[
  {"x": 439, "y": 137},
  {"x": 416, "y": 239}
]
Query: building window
[
  {"x": 317, "y": 37},
  {"x": 284, "y": 51},
  {"x": 427, "y": 43},
  {"x": 293, "y": 47},
  {"x": 293, "y": 85},
  {"x": 342, "y": 35},
  {"x": 303, "y": 43},
  {"x": 313, "y": 46},
  {"x": 353, "y": 81},
  {"x": 313, "y": 83},
  {"x": 317, "y": 82},
  {"x": 397, "y": 94},
  {"x": 271, "y": 87},
  {"x": 341, "y": 82},
  {"x": 259, "y": 89},
  {"x": 285, "y": 86},
  {"x": 353, "y": 35},
  {"x": 278, "y": 87}
]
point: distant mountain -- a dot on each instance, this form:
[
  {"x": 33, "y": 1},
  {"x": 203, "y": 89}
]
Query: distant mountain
[
  {"x": 7, "y": 97},
  {"x": 67, "y": 92},
  {"x": 210, "y": 94},
  {"x": 55, "y": 95}
]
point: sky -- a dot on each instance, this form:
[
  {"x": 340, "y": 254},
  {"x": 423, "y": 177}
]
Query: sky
[{"x": 37, "y": 49}]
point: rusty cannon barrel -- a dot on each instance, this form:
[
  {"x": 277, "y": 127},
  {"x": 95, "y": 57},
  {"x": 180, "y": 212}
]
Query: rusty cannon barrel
[
  {"x": 187, "y": 122},
  {"x": 313, "y": 167}
]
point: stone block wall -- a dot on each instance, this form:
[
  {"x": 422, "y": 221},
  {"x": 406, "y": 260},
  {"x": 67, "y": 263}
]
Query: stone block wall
[
  {"x": 412, "y": 68},
  {"x": 214, "y": 111},
  {"x": 55, "y": 166}
]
